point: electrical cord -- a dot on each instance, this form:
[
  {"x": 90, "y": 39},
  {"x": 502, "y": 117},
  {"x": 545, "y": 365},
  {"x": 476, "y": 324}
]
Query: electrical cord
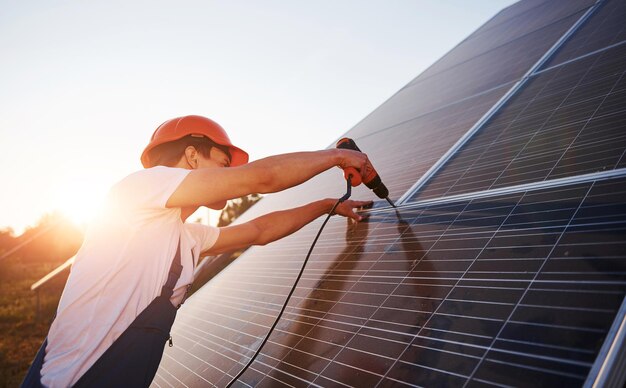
[{"x": 295, "y": 283}]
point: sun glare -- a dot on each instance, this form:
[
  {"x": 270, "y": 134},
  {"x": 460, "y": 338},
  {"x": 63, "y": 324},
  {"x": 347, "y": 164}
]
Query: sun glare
[{"x": 79, "y": 201}]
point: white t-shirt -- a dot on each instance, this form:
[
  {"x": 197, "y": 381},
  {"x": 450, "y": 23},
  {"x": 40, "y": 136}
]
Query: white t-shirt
[{"x": 120, "y": 268}]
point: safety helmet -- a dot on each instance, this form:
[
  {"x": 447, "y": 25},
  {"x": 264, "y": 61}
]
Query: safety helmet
[{"x": 177, "y": 128}]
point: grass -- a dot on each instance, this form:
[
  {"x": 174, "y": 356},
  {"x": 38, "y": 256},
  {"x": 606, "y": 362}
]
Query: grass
[{"x": 22, "y": 332}]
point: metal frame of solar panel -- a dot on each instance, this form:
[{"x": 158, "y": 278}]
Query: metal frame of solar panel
[{"x": 515, "y": 277}]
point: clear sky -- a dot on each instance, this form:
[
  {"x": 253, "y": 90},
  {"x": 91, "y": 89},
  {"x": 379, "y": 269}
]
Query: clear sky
[{"x": 83, "y": 84}]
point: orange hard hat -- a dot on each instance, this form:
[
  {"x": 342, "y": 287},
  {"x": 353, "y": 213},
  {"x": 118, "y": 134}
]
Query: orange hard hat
[{"x": 177, "y": 128}]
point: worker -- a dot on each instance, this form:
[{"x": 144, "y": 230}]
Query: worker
[{"x": 137, "y": 260}]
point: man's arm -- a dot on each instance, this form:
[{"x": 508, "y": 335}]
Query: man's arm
[
  {"x": 275, "y": 173},
  {"x": 276, "y": 225}
]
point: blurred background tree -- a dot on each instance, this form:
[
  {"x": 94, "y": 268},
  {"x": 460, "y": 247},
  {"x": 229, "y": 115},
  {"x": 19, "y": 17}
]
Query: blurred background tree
[{"x": 237, "y": 207}]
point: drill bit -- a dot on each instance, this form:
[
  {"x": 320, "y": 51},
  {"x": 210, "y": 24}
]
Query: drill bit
[{"x": 391, "y": 203}]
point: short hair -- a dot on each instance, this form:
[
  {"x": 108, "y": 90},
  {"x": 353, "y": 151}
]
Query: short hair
[{"x": 168, "y": 154}]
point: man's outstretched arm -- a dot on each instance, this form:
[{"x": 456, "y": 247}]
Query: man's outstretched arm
[
  {"x": 275, "y": 173},
  {"x": 274, "y": 226}
]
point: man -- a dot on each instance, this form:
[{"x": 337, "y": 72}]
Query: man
[{"x": 136, "y": 263}]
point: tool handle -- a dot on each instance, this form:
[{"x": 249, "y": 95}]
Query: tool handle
[
  {"x": 368, "y": 176},
  {"x": 350, "y": 173},
  {"x": 349, "y": 144}
]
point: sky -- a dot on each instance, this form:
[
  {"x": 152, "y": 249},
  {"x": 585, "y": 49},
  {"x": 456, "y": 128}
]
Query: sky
[{"x": 83, "y": 84}]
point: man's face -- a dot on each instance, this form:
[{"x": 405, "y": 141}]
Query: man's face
[{"x": 218, "y": 158}]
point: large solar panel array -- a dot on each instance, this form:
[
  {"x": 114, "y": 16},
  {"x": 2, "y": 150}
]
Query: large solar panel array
[{"x": 507, "y": 268}]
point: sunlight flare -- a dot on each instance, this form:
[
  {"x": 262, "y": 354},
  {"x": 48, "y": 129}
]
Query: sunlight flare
[{"x": 80, "y": 201}]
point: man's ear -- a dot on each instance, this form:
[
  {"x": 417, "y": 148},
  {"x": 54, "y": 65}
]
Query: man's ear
[{"x": 191, "y": 155}]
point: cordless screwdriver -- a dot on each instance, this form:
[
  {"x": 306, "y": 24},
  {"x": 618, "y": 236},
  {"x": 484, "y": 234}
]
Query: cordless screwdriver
[{"x": 370, "y": 177}]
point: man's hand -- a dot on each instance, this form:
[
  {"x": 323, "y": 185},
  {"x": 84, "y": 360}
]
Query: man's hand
[
  {"x": 350, "y": 158},
  {"x": 346, "y": 208},
  {"x": 276, "y": 225}
]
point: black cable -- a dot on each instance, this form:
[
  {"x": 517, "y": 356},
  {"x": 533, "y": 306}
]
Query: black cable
[{"x": 295, "y": 283}]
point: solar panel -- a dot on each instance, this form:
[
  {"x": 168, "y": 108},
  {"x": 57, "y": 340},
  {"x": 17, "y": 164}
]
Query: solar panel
[
  {"x": 511, "y": 289},
  {"x": 507, "y": 268},
  {"x": 515, "y": 10},
  {"x": 604, "y": 30},
  {"x": 417, "y": 143},
  {"x": 507, "y": 28},
  {"x": 569, "y": 120},
  {"x": 478, "y": 74}
]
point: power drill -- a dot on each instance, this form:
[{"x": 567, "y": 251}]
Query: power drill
[{"x": 370, "y": 177}]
